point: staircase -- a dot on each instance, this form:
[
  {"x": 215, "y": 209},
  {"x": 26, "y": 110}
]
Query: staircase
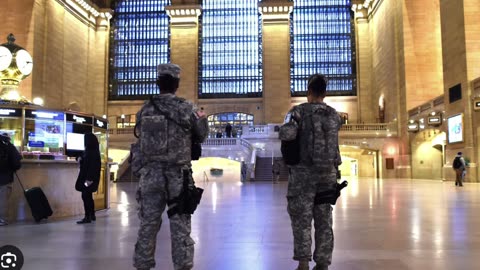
[
  {"x": 263, "y": 170},
  {"x": 127, "y": 176}
]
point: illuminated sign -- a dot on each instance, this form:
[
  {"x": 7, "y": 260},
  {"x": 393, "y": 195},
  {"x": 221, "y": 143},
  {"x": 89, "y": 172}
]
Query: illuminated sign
[
  {"x": 11, "y": 112},
  {"x": 455, "y": 128},
  {"x": 476, "y": 104},
  {"x": 80, "y": 119},
  {"x": 412, "y": 127},
  {"x": 100, "y": 123},
  {"x": 434, "y": 120},
  {"x": 44, "y": 114}
]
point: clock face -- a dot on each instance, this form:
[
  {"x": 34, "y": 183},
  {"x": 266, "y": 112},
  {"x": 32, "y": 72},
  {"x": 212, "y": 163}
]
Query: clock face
[
  {"x": 5, "y": 58},
  {"x": 24, "y": 62}
]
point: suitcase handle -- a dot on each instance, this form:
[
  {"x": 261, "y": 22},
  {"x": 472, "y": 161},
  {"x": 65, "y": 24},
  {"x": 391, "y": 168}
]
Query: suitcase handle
[{"x": 18, "y": 178}]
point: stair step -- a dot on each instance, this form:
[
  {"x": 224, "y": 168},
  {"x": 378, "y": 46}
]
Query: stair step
[{"x": 263, "y": 170}]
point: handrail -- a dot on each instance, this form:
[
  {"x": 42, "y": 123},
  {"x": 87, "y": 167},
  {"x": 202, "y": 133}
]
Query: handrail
[
  {"x": 232, "y": 141},
  {"x": 220, "y": 141},
  {"x": 363, "y": 127},
  {"x": 205, "y": 177}
]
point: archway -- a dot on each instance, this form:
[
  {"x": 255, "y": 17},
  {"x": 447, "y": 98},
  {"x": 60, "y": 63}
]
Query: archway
[
  {"x": 218, "y": 122},
  {"x": 358, "y": 162},
  {"x": 427, "y": 154}
]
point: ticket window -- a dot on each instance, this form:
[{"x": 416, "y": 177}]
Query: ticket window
[
  {"x": 44, "y": 132},
  {"x": 77, "y": 126},
  {"x": 11, "y": 125}
]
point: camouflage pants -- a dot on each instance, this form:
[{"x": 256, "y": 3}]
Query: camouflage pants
[
  {"x": 303, "y": 184},
  {"x": 152, "y": 197}
]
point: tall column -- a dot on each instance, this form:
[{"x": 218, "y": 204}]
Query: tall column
[
  {"x": 461, "y": 59},
  {"x": 276, "y": 59},
  {"x": 184, "y": 46}
]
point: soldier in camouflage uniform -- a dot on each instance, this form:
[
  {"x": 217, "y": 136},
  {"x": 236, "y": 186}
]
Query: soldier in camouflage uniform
[
  {"x": 315, "y": 125},
  {"x": 166, "y": 124}
]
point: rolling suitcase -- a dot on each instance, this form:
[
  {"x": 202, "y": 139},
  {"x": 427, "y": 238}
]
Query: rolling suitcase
[{"x": 37, "y": 201}]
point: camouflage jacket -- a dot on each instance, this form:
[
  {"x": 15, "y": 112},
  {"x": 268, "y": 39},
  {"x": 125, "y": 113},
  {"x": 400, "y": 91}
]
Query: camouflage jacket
[
  {"x": 315, "y": 126},
  {"x": 166, "y": 126}
]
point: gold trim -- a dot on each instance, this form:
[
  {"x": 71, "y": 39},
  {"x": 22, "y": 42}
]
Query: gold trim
[{"x": 87, "y": 12}]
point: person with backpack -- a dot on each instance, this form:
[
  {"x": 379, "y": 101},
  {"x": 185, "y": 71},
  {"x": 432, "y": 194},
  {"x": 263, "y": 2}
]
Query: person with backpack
[
  {"x": 312, "y": 129},
  {"x": 9, "y": 164},
  {"x": 459, "y": 166},
  {"x": 167, "y": 128}
]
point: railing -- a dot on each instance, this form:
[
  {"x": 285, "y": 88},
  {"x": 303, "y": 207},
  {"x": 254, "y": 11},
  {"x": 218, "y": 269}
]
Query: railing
[
  {"x": 266, "y": 129},
  {"x": 220, "y": 141},
  {"x": 364, "y": 127},
  {"x": 237, "y": 142},
  {"x": 369, "y": 130},
  {"x": 121, "y": 131}
]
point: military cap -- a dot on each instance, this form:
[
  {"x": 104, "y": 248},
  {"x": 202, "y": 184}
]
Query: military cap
[{"x": 169, "y": 69}]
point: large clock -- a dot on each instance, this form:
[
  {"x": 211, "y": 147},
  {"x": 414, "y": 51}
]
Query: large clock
[
  {"x": 5, "y": 58},
  {"x": 24, "y": 62}
]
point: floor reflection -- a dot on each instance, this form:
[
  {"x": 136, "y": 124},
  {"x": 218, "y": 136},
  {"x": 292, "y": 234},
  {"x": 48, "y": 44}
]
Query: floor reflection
[{"x": 379, "y": 224}]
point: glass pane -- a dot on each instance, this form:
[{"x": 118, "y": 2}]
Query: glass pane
[
  {"x": 13, "y": 128},
  {"x": 44, "y": 135},
  {"x": 323, "y": 41},
  {"x": 140, "y": 38},
  {"x": 230, "y": 49}
]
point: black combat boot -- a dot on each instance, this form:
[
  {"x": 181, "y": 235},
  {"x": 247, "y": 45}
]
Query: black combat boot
[{"x": 85, "y": 220}]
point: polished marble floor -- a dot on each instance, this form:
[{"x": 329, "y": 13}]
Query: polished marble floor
[{"x": 379, "y": 224}]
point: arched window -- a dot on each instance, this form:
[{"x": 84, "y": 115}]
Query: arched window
[
  {"x": 230, "y": 56},
  {"x": 218, "y": 122},
  {"x": 139, "y": 42},
  {"x": 323, "y": 41}
]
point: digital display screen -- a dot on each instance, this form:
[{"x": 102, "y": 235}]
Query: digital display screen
[
  {"x": 46, "y": 133},
  {"x": 455, "y": 128},
  {"x": 75, "y": 141}
]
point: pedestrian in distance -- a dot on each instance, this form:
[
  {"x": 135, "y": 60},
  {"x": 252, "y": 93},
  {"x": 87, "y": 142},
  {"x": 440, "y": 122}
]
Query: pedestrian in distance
[{"x": 459, "y": 166}]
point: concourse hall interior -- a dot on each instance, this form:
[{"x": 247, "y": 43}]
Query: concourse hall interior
[{"x": 404, "y": 76}]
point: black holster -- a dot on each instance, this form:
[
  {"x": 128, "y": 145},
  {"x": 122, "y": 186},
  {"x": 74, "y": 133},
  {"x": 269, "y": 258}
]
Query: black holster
[
  {"x": 330, "y": 196},
  {"x": 188, "y": 200}
]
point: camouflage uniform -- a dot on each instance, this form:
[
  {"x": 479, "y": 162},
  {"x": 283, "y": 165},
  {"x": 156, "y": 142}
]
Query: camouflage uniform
[
  {"x": 315, "y": 173},
  {"x": 161, "y": 178}
]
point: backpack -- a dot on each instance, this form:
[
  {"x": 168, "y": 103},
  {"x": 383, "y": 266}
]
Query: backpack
[
  {"x": 9, "y": 157},
  {"x": 290, "y": 149},
  {"x": 319, "y": 151},
  {"x": 457, "y": 163},
  {"x": 152, "y": 144},
  {"x": 315, "y": 149},
  {"x": 4, "y": 156}
]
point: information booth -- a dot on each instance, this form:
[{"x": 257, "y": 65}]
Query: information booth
[{"x": 49, "y": 141}]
